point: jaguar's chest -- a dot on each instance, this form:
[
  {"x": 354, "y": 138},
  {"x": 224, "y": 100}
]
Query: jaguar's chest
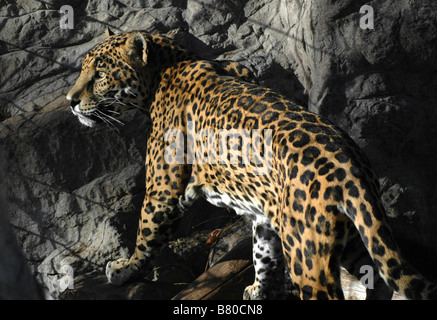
[{"x": 250, "y": 207}]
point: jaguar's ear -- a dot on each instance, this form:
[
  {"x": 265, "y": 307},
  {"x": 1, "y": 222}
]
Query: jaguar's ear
[
  {"x": 136, "y": 47},
  {"x": 108, "y": 32}
]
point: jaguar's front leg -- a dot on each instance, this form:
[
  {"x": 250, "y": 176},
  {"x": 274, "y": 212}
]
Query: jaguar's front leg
[
  {"x": 157, "y": 222},
  {"x": 159, "y": 214}
]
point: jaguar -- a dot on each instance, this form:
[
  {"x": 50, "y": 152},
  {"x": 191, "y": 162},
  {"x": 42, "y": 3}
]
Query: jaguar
[{"x": 315, "y": 209}]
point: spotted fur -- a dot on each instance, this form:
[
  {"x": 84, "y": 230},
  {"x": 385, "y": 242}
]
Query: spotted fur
[{"x": 315, "y": 208}]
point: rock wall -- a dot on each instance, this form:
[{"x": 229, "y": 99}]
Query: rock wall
[
  {"x": 73, "y": 192},
  {"x": 16, "y": 281}
]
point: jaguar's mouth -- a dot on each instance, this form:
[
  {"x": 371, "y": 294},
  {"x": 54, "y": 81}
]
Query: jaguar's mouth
[
  {"x": 99, "y": 114},
  {"x": 84, "y": 118}
]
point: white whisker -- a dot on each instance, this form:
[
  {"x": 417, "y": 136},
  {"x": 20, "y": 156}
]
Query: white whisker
[
  {"x": 106, "y": 113},
  {"x": 130, "y": 92},
  {"x": 112, "y": 111},
  {"x": 108, "y": 119},
  {"x": 111, "y": 118}
]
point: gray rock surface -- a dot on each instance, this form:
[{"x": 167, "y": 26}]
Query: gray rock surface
[
  {"x": 70, "y": 202},
  {"x": 74, "y": 192},
  {"x": 16, "y": 281}
]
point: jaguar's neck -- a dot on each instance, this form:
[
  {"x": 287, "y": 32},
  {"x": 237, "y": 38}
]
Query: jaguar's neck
[{"x": 163, "y": 54}]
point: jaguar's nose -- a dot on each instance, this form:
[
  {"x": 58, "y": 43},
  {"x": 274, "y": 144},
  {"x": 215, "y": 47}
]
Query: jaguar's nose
[
  {"x": 68, "y": 96},
  {"x": 72, "y": 98}
]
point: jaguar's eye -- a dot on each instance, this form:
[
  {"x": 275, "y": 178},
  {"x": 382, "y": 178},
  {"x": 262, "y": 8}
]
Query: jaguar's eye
[{"x": 101, "y": 74}]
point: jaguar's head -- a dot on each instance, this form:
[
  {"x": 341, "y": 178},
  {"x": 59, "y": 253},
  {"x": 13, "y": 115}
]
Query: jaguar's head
[{"x": 111, "y": 79}]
